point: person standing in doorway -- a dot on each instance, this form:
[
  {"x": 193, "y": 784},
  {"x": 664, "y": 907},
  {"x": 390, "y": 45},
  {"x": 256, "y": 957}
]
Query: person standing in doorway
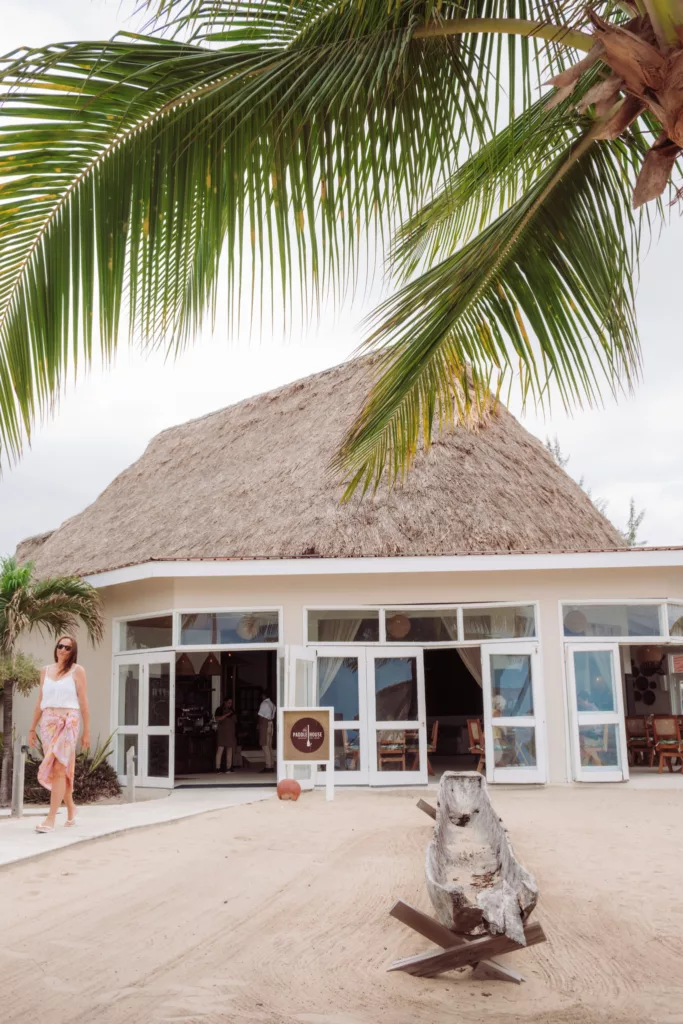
[
  {"x": 266, "y": 719},
  {"x": 226, "y": 735}
]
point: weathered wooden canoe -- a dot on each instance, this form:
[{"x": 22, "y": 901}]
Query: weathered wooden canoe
[{"x": 475, "y": 882}]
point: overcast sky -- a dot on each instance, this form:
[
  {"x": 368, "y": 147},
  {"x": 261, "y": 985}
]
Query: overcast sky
[{"x": 107, "y": 418}]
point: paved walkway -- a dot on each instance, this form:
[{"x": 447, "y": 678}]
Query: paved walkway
[{"x": 19, "y": 840}]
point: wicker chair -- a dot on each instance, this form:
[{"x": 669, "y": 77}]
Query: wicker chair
[
  {"x": 639, "y": 739},
  {"x": 666, "y": 734},
  {"x": 475, "y": 732}
]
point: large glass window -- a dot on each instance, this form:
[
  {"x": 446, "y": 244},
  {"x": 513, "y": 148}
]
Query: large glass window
[
  {"x": 142, "y": 634},
  {"x": 395, "y": 689},
  {"x": 594, "y": 681},
  {"x": 343, "y": 627},
  {"x": 512, "y": 694},
  {"x": 208, "y": 628},
  {"x": 338, "y": 687},
  {"x": 422, "y": 626},
  {"x": 611, "y": 620},
  {"x": 498, "y": 623}
]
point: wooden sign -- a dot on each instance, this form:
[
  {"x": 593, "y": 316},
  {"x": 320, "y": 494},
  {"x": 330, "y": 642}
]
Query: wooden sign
[{"x": 307, "y": 735}]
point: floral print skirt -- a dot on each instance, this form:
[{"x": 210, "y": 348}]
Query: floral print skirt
[{"x": 59, "y": 736}]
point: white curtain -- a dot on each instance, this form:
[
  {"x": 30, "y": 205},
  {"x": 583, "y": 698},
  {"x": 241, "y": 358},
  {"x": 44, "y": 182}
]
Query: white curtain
[
  {"x": 472, "y": 659},
  {"x": 337, "y": 631}
]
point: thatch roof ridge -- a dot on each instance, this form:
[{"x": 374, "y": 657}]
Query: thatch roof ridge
[{"x": 252, "y": 481}]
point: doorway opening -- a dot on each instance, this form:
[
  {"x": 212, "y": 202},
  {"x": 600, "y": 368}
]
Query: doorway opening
[
  {"x": 652, "y": 680},
  {"x": 453, "y": 695},
  {"x": 204, "y": 681}
]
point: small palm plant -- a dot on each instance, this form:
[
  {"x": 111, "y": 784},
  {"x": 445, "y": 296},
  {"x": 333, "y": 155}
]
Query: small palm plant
[{"x": 52, "y": 606}]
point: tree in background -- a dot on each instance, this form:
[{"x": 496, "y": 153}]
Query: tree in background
[
  {"x": 52, "y": 606},
  {"x": 635, "y": 519},
  {"x": 278, "y": 140}
]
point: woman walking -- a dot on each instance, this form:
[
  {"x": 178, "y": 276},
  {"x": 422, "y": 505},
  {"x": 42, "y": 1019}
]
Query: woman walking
[
  {"x": 226, "y": 734},
  {"x": 62, "y": 704}
]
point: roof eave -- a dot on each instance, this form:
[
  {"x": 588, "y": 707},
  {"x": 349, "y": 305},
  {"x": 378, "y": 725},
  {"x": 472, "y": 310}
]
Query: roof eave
[{"x": 533, "y": 561}]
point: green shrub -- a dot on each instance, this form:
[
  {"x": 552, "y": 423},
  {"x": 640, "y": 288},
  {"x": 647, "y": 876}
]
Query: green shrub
[{"x": 94, "y": 777}]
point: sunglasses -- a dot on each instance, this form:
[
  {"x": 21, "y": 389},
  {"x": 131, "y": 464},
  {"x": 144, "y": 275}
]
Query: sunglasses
[{"x": 64, "y": 647}]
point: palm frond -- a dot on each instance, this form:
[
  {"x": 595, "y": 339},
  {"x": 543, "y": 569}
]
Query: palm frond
[
  {"x": 546, "y": 291},
  {"x": 280, "y": 134}
]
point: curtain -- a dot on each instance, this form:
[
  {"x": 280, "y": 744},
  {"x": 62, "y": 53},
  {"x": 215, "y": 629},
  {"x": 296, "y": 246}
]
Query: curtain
[
  {"x": 471, "y": 656},
  {"x": 341, "y": 631}
]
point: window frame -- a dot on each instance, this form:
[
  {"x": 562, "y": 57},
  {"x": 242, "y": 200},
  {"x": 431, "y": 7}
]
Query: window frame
[
  {"x": 458, "y": 609},
  {"x": 176, "y": 645}
]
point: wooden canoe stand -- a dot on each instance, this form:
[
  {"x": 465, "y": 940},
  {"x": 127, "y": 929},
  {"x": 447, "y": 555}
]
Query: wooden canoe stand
[{"x": 455, "y": 950}]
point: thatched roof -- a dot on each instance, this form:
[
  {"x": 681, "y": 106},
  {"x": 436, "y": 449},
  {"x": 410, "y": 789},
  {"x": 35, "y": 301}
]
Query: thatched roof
[{"x": 252, "y": 481}]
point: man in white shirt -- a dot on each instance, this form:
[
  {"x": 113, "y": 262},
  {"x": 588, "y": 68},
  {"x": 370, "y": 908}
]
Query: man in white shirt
[{"x": 266, "y": 719}]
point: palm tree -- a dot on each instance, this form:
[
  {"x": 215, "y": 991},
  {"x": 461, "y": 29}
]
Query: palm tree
[
  {"x": 276, "y": 139},
  {"x": 54, "y": 606}
]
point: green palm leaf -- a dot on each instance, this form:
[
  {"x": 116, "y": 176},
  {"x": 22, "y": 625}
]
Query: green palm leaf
[
  {"x": 278, "y": 134},
  {"x": 545, "y": 291}
]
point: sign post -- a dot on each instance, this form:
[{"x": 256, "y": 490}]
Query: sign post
[{"x": 307, "y": 738}]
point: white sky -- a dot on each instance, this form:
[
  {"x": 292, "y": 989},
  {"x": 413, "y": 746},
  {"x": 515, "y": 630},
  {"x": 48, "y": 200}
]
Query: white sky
[{"x": 106, "y": 420}]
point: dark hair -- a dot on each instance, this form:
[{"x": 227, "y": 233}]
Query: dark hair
[{"x": 73, "y": 653}]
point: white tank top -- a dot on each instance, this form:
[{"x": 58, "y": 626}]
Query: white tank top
[{"x": 60, "y": 693}]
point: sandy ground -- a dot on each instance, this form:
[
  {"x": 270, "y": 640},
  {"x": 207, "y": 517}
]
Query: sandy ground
[{"x": 277, "y": 912}]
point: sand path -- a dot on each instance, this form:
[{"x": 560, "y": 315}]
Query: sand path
[{"x": 277, "y": 912}]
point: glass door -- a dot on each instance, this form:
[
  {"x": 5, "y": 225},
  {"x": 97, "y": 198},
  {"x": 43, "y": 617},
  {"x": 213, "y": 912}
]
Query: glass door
[
  {"x": 342, "y": 686},
  {"x": 596, "y": 710},
  {"x": 144, "y": 703},
  {"x": 300, "y": 691},
  {"x": 397, "y": 734},
  {"x": 158, "y": 762},
  {"x": 514, "y": 725},
  {"x": 127, "y": 706}
]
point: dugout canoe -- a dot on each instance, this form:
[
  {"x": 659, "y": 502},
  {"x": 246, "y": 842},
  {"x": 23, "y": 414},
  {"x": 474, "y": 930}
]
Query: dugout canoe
[{"x": 474, "y": 880}]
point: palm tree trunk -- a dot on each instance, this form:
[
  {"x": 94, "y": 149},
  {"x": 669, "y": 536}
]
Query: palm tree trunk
[{"x": 7, "y": 751}]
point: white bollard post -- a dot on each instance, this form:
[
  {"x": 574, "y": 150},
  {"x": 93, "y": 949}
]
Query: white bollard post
[
  {"x": 20, "y": 749},
  {"x": 130, "y": 774}
]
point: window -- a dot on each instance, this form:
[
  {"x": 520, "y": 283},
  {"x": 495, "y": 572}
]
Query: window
[
  {"x": 675, "y": 618},
  {"x": 211, "y": 628},
  {"x": 611, "y": 620},
  {"x": 422, "y": 627},
  {"x": 343, "y": 627},
  {"x": 143, "y": 634},
  {"x": 496, "y": 623}
]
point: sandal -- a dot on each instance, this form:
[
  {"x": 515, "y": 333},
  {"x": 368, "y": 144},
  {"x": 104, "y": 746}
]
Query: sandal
[
  {"x": 70, "y": 822},
  {"x": 45, "y": 828}
]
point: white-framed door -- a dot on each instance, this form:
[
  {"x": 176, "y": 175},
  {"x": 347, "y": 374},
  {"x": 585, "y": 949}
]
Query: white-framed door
[
  {"x": 596, "y": 713},
  {"x": 300, "y": 690},
  {"x": 514, "y": 719},
  {"x": 144, "y": 715},
  {"x": 396, "y": 716},
  {"x": 342, "y": 685}
]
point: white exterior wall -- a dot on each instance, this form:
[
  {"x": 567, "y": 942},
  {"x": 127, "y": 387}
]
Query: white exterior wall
[{"x": 294, "y": 593}]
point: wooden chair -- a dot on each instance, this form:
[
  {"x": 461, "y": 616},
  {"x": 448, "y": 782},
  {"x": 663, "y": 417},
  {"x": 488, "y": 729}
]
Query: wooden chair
[
  {"x": 666, "y": 734},
  {"x": 392, "y": 752},
  {"x": 414, "y": 750},
  {"x": 639, "y": 739},
  {"x": 475, "y": 732}
]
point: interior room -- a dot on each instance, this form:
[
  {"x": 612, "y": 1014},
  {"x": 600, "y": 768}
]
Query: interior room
[
  {"x": 652, "y": 678},
  {"x": 204, "y": 680},
  {"x": 453, "y": 697}
]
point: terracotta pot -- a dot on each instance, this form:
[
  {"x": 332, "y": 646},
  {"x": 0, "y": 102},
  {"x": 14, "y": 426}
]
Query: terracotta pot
[{"x": 288, "y": 789}]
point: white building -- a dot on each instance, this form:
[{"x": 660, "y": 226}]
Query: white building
[{"x": 488, "y": 587}]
